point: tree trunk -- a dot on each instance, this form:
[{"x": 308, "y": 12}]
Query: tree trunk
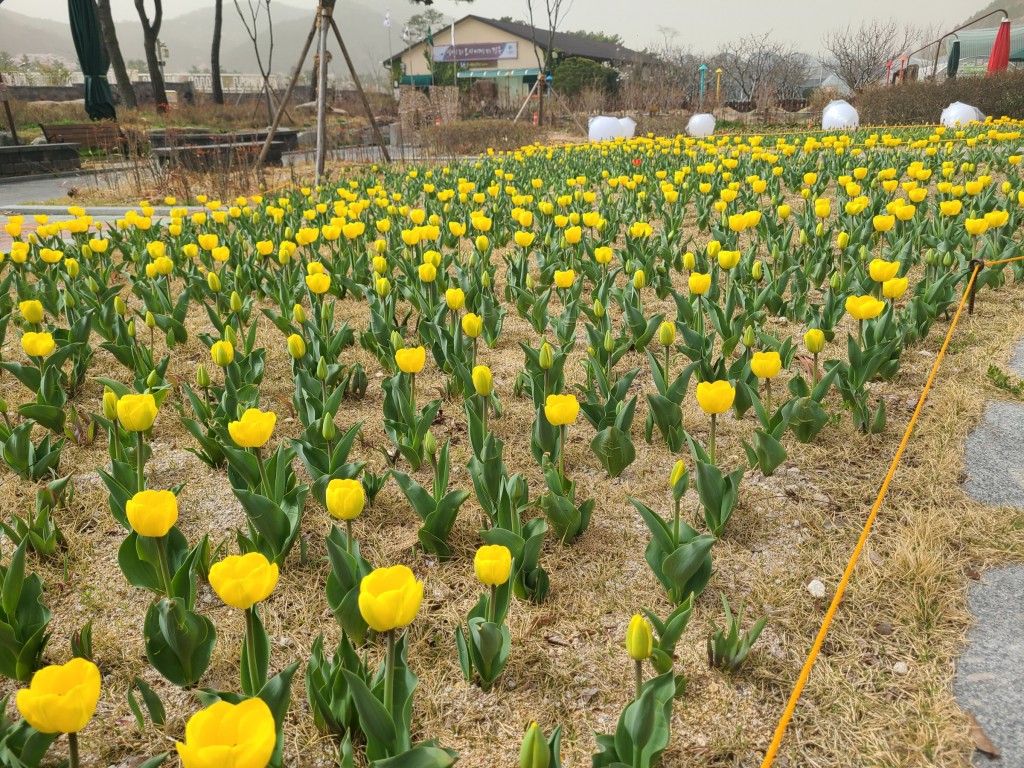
[
  {"x": 124, "y": 83},
  {"x": 150, "y": 31},
  {"x": 218, "y": 22}
]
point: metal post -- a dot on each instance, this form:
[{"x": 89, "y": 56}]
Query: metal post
[
  {"x": 321, "y": 96},
  {"x": 287, "y": 95},
  {"x": 976, "y": 266},
  {"x": 362, "y": 94}
]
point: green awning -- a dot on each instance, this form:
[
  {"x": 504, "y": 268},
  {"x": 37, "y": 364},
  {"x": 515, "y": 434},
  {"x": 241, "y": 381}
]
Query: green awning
[
  {"x": 494, "y": 73},
  {"x": 1017, "y": 55},
  {"x": 417, "y": 80}
]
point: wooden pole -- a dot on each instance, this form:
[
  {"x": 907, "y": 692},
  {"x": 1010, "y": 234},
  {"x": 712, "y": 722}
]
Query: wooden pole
[
  {"x": 321, "y": 95},
  {"x": 287, "y": 95},
  {"x": 362, "y": 94},
  {"x": 4, "y": 97}
]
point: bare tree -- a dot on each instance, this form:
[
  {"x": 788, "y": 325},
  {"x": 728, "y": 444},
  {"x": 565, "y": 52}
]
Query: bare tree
[
  {"x": 858, "y": 56},
  {"x": 218, "y": 24},
  {"x": 760, "y": 69},
  {"x": 251, "y": 19},
  {"x": 150, "y": 32},
  {"x": 124, "y": 83},
  {"x": 555, "y": 10}
]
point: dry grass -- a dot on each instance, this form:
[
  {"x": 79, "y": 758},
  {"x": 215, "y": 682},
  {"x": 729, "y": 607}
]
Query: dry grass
[{"x": 906, "y": 603}]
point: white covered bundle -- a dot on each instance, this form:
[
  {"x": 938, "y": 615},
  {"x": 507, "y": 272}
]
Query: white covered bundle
[
  {"x": 605, "y": 128},
  {"x": 628, "y": 125},
  {"x": 701, "y": 125},
  {"x": 839, "y": 115},
  {"x": 959, "y": 113}
]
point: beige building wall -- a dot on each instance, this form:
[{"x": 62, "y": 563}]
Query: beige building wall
[{"x": 471, "y": 31}]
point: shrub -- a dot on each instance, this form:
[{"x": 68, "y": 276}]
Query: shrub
[
  {"x": 923, "y": 101},
  {"x": 574, "y": 75},
  {"x": 472, "y": 137}
]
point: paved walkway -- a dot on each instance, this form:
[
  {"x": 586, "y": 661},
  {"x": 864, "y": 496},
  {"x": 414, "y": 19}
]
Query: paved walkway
[
  {"x": 990, "y": 674},
  {"x": 21, "y": 191}
]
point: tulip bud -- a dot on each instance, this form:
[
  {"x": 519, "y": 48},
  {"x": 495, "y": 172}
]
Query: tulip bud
[
  {"x": 819, "y": 230},
  {"x": 109, "y": 404},
  {"x": 213, "y": 282},
  {"x": 93, "y": 285},
  {"x": 598, "y": 309},
  {"x": 202, "y": 377},
  {"x": 69, "y": 300},
  {"x": 230, "y": 336},
  {"x": 86, "y": 252},
  {"x": 639, "y": 639},
  {"x": 815, "y": 341},
  {"x": 485, "y": 280},
  {"x": 843, "y": 240},
  {"x": 864, "y": 253},
  {"x": 288, "y": 233},
  {"x": 483, "y": 381},
  {"x": 153, "y": 379},
  {"x": 757, "y": 270},
  {"x": 430, "y": 444},
  {"x": 298, "y": 314},
  {"x": 296, "y": 346},
  {"x": 235, "y": 303},
  {"x": 383, "y": 287},
  {"x": 835, "y": 281},
  {"x": 396, "y": 341},
  {"x": 131, "y": 329},
  {"x": 529, "y": 282},
  {"x": 321, "y": 368},
  {"x": 547, "y": 358},
  {"x": 749, "y": 337},
  {"x": 3, "y": 405},
  {"x": 689, "y": 261},
  {"x": 803, "y": 237},
  {"x": 947, "y": 260},
  {"x": 667, "y": 334},
  {"x": 678, "y": 477},
  {"x": 119, "y": 306},
  {"x": 328, "y": 431},
  {"x": 639, "y": 279},
  {"x": 534, "y": 752},
  {"x": 150, "y": 320},
  {"x": 609, "y": 342}
]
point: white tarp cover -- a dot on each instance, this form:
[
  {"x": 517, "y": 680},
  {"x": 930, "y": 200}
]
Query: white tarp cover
[
  {"x": 628, "y": 127},
  {"x": 701, "y": 125},
  {"x": 605, "y": 128},
  {"x": 959, "y": 113},
  {"x": 839, "y": 115}
]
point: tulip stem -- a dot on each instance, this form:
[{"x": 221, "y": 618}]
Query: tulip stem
[
  {"x": 561, "y": 453},
  {"x": 165, "y": 568},
  {"x": 711, "y": 440},
  {"x": 250, "y": 647},
  {"x": 115, "y": 438},
  {"x": 140, "y": 462},
  {"x": 815, "y": 373},
  {"x": 768, "y": 397},
  {"x": 668, "y": 353},
  {"x": 73, "y": 759},
  {"x": 483, "y": 413},
  {"x": 389, "y": 674},
  {"x": 675, "y": 529},
  {"x": 492, "y": 605},
  {"x": 263, "y": 473},
  {"x": 348, "y": 536},
  {"x": 639, "y": 678},
  {"x": 412, "y": 392}
]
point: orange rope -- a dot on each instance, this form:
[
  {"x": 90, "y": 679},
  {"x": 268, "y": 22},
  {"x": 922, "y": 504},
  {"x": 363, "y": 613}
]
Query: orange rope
[{"x": 801, "y": 681}]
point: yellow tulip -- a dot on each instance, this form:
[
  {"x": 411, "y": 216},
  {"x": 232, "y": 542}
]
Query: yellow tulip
[
  {"x": 411, "y": 359},
  {"x": 667, "y": 334},
  {"x": 296, "y": 346},
  {"x": 737, "y": 222},
  {"x": 573, "y": 235},
  {"x": 223, "y": 353},
  {"x": 996, "y": 219},
  {"x": 564, "y": 278},
  {"x": 50, "y": 256},
  {"x": 894, "y": 288},
  {"x": 455, "y": 298},
  {"x": 951, "y": 207},
  {"x": 728, "y": 259},
  {"x": 483, "y": 381},
  {"x": 639, "y": 639},
  {"x": 152, "y": 513},
  {"x": 881, "y": 270},
  {"x": 428, "y": 273},
  {"x": 602, "y": 254},
  {"x": 389, "y": 598},
  {"x": 715, "y": 397},
  {"x": 766, "y": 365},
  {"x": 254, "y": 429},
  {"x": 975, "y": 227},
  {"x": 784, "y": 212},
  {"x": 883, "y": 223},
  {"x": 228, "y": 735},
  {"x": 241, "y": 581},
  {"x": 136, "y": 413},
  {"x": 31, "y": 310},
  {"x": 318, "y": 283},
  {"x": 345, "y": 499},
  {"x": 864, "y": 307},
  {"x": 37, "y": 344},
  {"x": 61, "y": 698},
  {"x": 561, "y": 409},
  {"x": 208, "y": 242},
  {"x": 699, "y": 283},
  {"x": 493, "y": 564},
  {"x": 524, "y": 239},
  {"x": 814, "y": 339},
  {"x": 472, "y": 325}
]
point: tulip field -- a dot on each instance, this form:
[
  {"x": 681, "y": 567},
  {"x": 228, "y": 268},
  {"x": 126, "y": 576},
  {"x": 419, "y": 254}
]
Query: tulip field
[{"x": 545, "y": 458}]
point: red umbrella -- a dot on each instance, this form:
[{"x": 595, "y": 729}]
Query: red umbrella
[{"x": 999, "y": 59}]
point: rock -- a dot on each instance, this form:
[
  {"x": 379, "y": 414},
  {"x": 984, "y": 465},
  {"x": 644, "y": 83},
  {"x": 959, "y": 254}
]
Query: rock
[
  {"x": 39, "y": 140},
  {"x": 816, "y": 588},
  {"x": 900, "y": 668}
]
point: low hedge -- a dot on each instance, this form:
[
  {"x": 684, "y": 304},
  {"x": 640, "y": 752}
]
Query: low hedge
[{"x": 923, "y": 101}]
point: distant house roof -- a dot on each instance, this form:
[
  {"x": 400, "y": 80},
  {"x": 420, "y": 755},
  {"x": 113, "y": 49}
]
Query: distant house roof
[{"x": 567, "y": 44}]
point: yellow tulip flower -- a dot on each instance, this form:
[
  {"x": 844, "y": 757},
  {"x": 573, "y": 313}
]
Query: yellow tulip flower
[
  {"x": 411, "y": 359},
  {"x": 136, "y": 413},
  {"x": 699, "y": 283},
  {"x": 345, "y": 498},
  {"x": 715, "y": 397},
  {"x": 881, "y": 270},
  {"x": 639, "y": 639},
  {"x": 493, "y": 564},
  {"x": 61, "y": 698},
  {"x": 254, "y": 429},
  {"x": 766, "y": 365},
  {"x": 241, "y": 581},
  {"x": 864, "y": 307},
  {"x": 564, "y": 278},
  {"x": 319, "y": 283},
  {"x": 472, "y": 325},
  {"x": 152, "y": 513},
  {"x": 561, "y": 410},
  {"x": 32, "y": 311},
  {"x": 240, "y": 735},
  {"x": 894, "y": 288},
  {"x": 390, "y": 598}
]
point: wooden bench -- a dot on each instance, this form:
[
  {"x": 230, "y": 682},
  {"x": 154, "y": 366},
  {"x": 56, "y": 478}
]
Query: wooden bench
[
  {"x": 103, "y": 134},
  {"x": 216, "y": 156}
]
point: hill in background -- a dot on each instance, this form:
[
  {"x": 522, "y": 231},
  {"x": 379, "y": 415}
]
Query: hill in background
[{"x": 189, "y": 38}]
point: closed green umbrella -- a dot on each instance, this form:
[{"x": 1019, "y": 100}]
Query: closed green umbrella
[
  {"x": 1017, "y": 55},
  {"x": 953, "y": 63},
  {"x": 92, "y": 55}
]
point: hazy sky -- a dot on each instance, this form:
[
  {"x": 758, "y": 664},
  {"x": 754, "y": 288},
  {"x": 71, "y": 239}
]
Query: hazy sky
[{"x": 700, "y": 26}]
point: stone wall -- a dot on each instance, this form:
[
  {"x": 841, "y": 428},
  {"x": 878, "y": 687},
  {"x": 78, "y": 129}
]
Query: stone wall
[
  {"x": 419, "y": 107},
  {"x": 143, "y": 92},
  {"x": 38, "y": 158}
]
